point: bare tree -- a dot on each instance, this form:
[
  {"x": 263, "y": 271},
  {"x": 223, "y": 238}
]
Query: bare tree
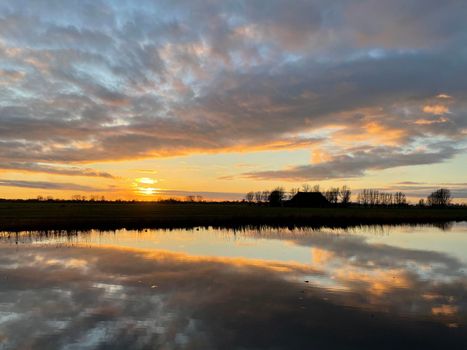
[
  {"x": 306, "y": 188},
  {"x": 369, "y": 197},
  {"x": 265, "y": 196},
  {"x": 345, "y": 193},
  {"x": 293, "y": 191},
  {"x": 316, "y": 188},
  {"x": 332, "y": 195},
  {"x": 258, "y": 196},
  {"x": 439, "y": 198},
  {"x": 276, "y": 197},
  {"x": 361, "y": 198},
  {"x": 250, "y": 196},
  {"x": 373, "y": 197},
  {"x": 400, "y": 198},
  {"x": 385, "y": 198}
]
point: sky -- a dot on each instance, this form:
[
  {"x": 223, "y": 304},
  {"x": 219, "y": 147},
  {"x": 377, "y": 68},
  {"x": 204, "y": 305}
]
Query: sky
[{"x": 168, "y": 98}]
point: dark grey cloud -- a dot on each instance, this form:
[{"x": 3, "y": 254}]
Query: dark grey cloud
[
  {"x": 423, "y": 189},
  {"x": 204, "y": 194},
  {"x": 49, "y": 185},
  {"x": 103, "y": 80},
  {"x": 356, "y": 164},
  {"x": 42, "y": 168},
  {"x": 355, "y": 249}
]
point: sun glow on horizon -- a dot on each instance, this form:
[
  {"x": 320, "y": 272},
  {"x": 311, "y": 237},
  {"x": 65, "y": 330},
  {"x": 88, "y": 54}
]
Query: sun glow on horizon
[
  {"x": 147, "y": 191},
  {"x": 144, "y": 186},
  {"x": 279, "y": 104},
  {"x": 146, "y": 181}
]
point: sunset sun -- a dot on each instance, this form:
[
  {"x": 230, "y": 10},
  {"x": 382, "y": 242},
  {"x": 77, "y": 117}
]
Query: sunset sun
[{"x": 144, "y": 186}]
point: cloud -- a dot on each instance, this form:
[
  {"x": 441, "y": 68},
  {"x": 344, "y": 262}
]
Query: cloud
[
  {"x": 204, "y": 194},
  {"x": 436, "y": 109},
  {"x": 444, "y": 96},
  {"x": 99, "y": 81},
  {"x": 93, "y": 296},
  {"x": 49, "y": 185},
  {"x": 423, "y": 189},
  {"x": 410, "y": 183},
  {"x": 50, "y": 169},
  {"x": 356, "y": 164}
]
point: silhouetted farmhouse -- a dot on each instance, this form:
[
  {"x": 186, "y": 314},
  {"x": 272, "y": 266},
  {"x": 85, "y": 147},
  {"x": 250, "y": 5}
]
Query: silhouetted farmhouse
[{"x": 308, "y": 199}]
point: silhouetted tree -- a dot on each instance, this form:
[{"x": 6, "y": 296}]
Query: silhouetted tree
[
  {"x": 345, "y": 193},
  {"x": 400, "y": 198},
  {"x": 439, "y": 198},
  {"x": 371, "y": 197},
  {"x": 258, "y": 196},
  {"x": 306, "y": 188},
  {"x": 293, "y": 191},
  {"x": 265, "y": 196},
  {"x": 332, "y": 195},
  {"x": 250, "y": 196},
  {"x": 361, "y": 199},
  {"x": 276, "y": 197},
  {"x": 385, "y": 198}
]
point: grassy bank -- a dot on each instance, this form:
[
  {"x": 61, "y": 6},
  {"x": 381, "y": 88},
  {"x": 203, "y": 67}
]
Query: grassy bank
[{"x": 17, "y": 216}]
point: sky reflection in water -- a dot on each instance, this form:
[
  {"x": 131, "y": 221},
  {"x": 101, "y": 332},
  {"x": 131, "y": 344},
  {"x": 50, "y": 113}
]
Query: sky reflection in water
[{"x": 379, "y": 288}]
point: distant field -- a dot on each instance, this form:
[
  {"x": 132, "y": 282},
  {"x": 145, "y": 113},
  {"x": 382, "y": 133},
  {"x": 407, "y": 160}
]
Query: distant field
[{"x": 15, "y": 216}]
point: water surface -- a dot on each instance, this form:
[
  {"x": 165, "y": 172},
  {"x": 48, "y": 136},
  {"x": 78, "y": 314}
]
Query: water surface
[{"x": 361, "y": 288}]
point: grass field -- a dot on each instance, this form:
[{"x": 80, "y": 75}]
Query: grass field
[{"x": 17, "y": 216}]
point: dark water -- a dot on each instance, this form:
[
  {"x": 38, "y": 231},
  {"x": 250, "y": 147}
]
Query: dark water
[{"x": 362, "y": 288}]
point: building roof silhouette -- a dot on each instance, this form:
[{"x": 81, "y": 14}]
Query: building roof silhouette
[{"x": 309, "y": 199}]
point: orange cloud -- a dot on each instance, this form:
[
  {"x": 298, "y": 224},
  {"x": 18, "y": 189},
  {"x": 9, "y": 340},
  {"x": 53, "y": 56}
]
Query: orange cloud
[
  {"x": 437, "y": 109},
  {"x": 430, "y": 122},
  {"x": 377, "y": 282},
  {"x": 371, "y": 132},
  {"x": 320, "y": 256},
  {"x": 384, "y": 133},
  {"x": 444, "y": 310},
  {"x": 320, "y": 156}
]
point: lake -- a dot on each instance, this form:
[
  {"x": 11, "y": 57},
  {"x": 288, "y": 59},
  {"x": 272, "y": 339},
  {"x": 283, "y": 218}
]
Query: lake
[{"x": 369, "y": 287}]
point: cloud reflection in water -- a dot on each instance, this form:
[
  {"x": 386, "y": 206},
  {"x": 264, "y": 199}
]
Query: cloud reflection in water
[{"x": 357, "y": 296}]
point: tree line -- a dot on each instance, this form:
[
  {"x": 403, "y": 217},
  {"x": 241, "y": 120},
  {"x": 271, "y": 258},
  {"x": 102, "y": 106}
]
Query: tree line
[
  {"x": 371, "y": 197},
  {"x": 343, "y": 195},
  {"x": 334, "y": 195}
]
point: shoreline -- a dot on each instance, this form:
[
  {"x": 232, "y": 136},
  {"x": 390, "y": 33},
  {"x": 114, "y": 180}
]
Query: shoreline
[{"x": 36, "y": 216}]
